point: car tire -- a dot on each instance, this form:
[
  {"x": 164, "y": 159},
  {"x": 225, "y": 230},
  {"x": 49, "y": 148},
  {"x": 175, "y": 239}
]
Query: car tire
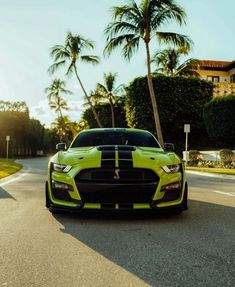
[
  {"x": 184, "y": 206},
  {"x": 185, "y": 200},
  {"x": 47, "y": 198},
  {"x": 49, "y": 203}
]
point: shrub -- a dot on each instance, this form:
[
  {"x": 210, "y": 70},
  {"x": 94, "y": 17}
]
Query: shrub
[
  {"x": 219, "y": 116},
  {"x": 194, "y": 157},
  {"x": 226, "y": 156}
]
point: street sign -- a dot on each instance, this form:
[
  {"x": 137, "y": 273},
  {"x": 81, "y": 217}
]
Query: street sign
[
  {"x": 8, "y": 138},
  {"x": 187, "y": 128}
]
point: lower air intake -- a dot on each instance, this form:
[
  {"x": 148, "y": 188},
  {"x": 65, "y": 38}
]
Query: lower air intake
[{"x": 109, "y": 186}]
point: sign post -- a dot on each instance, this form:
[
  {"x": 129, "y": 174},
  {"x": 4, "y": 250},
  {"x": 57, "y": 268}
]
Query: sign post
[
  {"x": 7, "y": 139},
  {"x": 187, "y": 131}
]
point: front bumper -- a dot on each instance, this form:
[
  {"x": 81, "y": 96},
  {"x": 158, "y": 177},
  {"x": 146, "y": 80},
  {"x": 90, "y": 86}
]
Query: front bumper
[{"x": 132, "y": 194}]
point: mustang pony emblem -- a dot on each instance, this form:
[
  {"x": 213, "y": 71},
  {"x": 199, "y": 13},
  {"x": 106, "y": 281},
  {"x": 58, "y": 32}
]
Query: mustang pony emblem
[{"x": 116, "y": 176}]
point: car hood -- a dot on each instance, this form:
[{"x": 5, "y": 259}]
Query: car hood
[{"x": 74, "y": 156}]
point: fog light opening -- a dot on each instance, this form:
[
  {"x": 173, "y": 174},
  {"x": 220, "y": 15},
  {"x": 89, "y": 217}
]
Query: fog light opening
[
  {"x": 172, "y": 186},
  {"x": 61, "y": 185}
]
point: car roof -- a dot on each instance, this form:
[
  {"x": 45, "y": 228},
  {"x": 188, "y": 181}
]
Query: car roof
[{"x": 115, "y": 129}]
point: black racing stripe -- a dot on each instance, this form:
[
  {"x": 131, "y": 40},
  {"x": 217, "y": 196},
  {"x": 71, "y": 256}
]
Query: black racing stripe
[
  {"x": 107, "y": 205},
  {"x": 126, "y": 206},
  {"x": 125, "y": 158},
  {"x": 124, "y": 154},
  {"x": 108, "y": 154},
  {"x": 108, "y": 158}
]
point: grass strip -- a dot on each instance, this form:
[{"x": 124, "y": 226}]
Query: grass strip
[
  {"x": 212, "y": 170},
  {"x": 8, "y": 167}
]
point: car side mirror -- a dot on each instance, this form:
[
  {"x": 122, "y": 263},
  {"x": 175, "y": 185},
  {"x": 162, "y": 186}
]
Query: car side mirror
[
  {"x": 61, "y": 146},
  {"x": 169, "y": 147}
]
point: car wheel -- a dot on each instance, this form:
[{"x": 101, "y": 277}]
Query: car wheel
[
  {"x": 184, "y": 206},
  {"x": 177, "y": 211},
  {"x": 49, "y": 203},
  {"x": 185, "y": 200}
]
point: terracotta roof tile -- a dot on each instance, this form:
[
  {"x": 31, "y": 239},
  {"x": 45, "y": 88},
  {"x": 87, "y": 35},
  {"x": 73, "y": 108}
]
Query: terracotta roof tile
[{"x": 215, "y": 64}]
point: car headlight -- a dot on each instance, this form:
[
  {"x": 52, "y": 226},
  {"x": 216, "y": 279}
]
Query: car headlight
[
  {"x": 171, "y": 168},
  {"x": 61, "y": 167}
]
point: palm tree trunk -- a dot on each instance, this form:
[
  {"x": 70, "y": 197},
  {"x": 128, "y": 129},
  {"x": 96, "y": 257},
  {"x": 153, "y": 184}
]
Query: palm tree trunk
[
  {"x": 88, "y": 99},
  {"x": 153, "y": 98},
  {"x": 112, "y": 112}
]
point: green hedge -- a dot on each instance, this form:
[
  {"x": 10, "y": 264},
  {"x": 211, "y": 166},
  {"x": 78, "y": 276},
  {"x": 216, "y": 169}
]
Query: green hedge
[
  {"x": 219, "y": 116},
  {"x": 180, "y": 99}
]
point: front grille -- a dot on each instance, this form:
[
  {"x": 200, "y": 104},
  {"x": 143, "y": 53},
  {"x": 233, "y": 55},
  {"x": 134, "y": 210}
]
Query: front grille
[
  {"x": 61, "y": 194},
  {"x": 117, "y": 185},
  {"x": 110, "y": 175}
]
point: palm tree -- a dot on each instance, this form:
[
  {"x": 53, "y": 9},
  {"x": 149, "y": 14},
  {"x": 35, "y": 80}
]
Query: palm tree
[
  {"x": 70, "y": 53},
  {"x": 132, "y": 23},
  {"x": 168, "y": 60},
  {"x": 188, "y": 68},
  {"x": 56, "y": 88},
  {"x": 108, "y": 91},
  {"x": 60, "y": 126},
  {"x": 56, "y": 102}
]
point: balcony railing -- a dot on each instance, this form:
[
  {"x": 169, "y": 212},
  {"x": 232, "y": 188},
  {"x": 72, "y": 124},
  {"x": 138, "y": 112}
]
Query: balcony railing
[{"x": 223, "y": 89}]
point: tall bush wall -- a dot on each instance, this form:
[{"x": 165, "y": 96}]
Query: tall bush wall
[{"x": 180, "y": 100}]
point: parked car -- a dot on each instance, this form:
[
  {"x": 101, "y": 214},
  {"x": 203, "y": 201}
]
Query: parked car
[{"x": 116, "y": 169}]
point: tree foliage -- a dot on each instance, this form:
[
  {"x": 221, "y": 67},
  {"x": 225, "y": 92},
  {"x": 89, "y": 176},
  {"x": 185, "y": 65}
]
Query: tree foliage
[
  {"x": 58, "y": 104},
  {"x": 7, "y": 106},
  {"x": 108, "y": 91},
  {"x": 71, "y": 53},
  {"x": 132, "y": 23},
  {"x": 167, "y": 62},
  {"x": 26, "y": 135},
  {"x": 219, "y": 115},
  {"x": 104, "y": 112}
]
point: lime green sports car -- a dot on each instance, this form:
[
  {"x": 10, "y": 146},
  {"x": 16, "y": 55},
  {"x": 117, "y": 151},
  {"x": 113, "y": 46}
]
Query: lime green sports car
[{"x": 116, "y": 169}]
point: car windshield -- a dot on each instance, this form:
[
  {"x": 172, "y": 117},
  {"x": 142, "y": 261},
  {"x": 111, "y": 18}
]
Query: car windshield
[{"x": 95, "y": 138}]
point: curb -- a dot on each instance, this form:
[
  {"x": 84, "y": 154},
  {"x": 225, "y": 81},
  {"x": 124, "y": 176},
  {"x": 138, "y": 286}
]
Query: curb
[{"x": 22, "y": 172}]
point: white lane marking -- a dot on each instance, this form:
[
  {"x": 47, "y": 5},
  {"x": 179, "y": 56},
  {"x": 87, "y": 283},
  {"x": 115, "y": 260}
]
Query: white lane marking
[
  {"x": 224, "y": 193},
  {"x": 207, "y": 174},
  {"x": 21, "y": 174}
]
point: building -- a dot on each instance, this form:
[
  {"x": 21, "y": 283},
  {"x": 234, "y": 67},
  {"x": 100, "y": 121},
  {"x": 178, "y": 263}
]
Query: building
[{"x": 221, "y": 73}]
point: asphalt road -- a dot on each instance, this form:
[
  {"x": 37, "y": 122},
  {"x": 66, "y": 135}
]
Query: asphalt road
[{"x": 196, "y": 248}]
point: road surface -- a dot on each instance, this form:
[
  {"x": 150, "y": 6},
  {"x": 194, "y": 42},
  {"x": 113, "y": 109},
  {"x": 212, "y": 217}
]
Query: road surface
[{"x": 37, "y": 248}]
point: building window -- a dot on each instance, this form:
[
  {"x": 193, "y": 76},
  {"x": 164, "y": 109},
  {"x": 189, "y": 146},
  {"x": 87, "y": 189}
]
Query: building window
[
  {"x": 232, "y": 78},
  {"x": 214, "y": 79}
]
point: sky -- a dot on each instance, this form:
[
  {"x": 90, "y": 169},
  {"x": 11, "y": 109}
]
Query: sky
[{"x": 29, "y": 28}]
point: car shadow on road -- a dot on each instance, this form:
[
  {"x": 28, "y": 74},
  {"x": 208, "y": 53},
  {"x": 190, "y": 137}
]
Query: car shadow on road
[
  {"x": 162, "y": 249},
  {"x": 4, "y": 194}
]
